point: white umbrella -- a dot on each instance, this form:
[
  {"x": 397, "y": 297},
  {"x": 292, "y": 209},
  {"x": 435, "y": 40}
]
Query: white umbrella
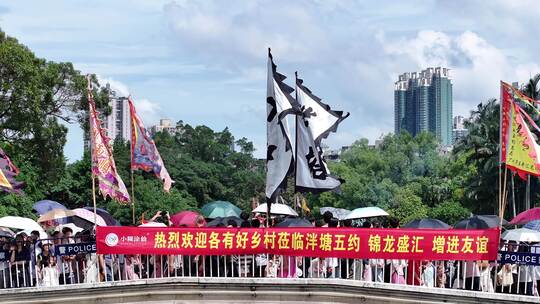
[
  {"x": 153, "y": 224},
  {"x": 42, "y": 233},
  {"x": 521, "y": 235},
  {"x": 339, "y": 213},
  {"x": 19, "y": 223},
  {"x": 71, "y": 226},
  {"x": 365, "y": 213},
  {"x": 280, "y": 209},
  {"x": 89, "y": 216}
]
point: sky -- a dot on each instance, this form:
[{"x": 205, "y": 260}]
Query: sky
[{"x": 204, "y": 62}]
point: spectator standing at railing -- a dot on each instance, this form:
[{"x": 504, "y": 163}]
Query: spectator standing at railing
[
  {"x": 35, "y": 250},
  {"x": 472, "y": 275},
  {"x": 332, "y": 264},
  {"x": 525, "y": 275},
  {"x": 46, "y": 262},
  {"x": 66, "y": 267},
  {"x": 346, "y": 264},
  {"x": 200, "y": 260},
  {"x": 427, "y": 276},
  {"x": 505, "y": 279},
  {"x": 440, "y": 280},
  {"x": 261, "y": 260},
  {"x": 4, "y": 267},
  {"x": 486, "y": 282},
  {"x": 327, "y": 217},
  {"x": 398, "y": 271},
  {"x": 19, "y": 257}
]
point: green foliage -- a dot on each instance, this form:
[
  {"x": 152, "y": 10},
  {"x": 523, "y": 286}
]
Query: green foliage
[
  {"x": 402, "y": 174},
  {"x": 449, "y": 212},
  {"x": 408, "y": 206}
]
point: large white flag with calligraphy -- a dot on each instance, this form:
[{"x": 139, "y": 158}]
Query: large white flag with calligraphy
[
  {"x": 279, "y": 150},
  {"x": 316, "y": 121}
]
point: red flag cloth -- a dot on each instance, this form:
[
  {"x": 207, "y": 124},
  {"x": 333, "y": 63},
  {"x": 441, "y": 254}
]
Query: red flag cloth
[
  {"x": 409, "y": 244},
  {"x": 103, "y": 166},
  {"x": 8, "y": 171},
  {"x": 144, "y": 154}
]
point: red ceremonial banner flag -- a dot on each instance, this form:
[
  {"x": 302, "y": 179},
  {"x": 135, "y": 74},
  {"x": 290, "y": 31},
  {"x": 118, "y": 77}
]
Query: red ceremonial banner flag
[{"x": 357, "y": 243}]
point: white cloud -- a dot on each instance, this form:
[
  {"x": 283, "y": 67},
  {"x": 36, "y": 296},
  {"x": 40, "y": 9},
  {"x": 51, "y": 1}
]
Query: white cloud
[
  {"x": 120, "y": 88},
  {"x": 148, "y": 111},
  {"x": 248, "y": 28},
  {"x": 204, "y": 61},
  {"x": 476, "y": 66}
]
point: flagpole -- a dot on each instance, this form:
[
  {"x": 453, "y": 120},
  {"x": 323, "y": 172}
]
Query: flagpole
[
  {"x": 94, "y": 200},
  {"x": 500, "y": 153},
  {"x": 296, "y": 138},
  {"x": 295, "y": 131},
  {"x": 89, "y": 88},
  {"x": 504, "y": 195},
  {"x": 268, "y": 201},
  {"x": 132, "y": 197}
]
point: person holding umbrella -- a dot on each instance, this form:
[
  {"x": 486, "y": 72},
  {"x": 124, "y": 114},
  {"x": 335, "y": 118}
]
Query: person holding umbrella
[{"x": 19, "y": 255}]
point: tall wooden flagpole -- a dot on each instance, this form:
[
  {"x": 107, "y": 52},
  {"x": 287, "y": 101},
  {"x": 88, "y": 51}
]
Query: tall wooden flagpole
[
  {"x": 94, "y": 200},
  {"x": 89, "y": 88},
  {"x": 132, "y": 196},
  {"x": 500, "y": 156}
]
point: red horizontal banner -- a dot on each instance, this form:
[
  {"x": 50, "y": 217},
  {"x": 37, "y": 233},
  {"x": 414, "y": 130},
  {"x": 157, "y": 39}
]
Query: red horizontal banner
[{"x": 410, "y": 244}]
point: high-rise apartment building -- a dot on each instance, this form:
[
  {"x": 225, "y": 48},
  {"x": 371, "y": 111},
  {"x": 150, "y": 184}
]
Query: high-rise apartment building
[
  {"x": 117, "y": 123},
  {"x": 423, "y": 102}
]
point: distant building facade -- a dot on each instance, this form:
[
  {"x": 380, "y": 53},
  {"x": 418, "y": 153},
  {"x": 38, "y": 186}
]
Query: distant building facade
[
  {"x": 458, "y": 130},
  {"x": 166, "y": 125},
  {"x": 423, "y": 102},
  {"x": 335, "y": 155},
  {"x": 117, "y": 123}
]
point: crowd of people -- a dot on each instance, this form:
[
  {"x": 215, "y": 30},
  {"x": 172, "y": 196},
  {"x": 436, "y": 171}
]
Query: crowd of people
[{"x": 30, "y": 260}]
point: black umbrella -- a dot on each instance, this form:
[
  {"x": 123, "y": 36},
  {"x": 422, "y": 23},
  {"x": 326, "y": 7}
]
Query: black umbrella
[
  {"x": 6, "y": 234},
  {"x": 479, "y": 222},
  {"x": 225, "y": 221},
  {"x": 294, "y": 222},
  {"x": 107, "y": 217},
  {"x": 428, "y": 224}
]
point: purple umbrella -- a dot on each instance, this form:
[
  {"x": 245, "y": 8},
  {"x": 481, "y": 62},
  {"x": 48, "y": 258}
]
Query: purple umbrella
[{"x": 45, "y": 206}]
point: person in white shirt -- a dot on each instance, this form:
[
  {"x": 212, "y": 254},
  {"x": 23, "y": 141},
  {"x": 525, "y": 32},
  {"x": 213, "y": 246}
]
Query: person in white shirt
[{"x": 427, "y": 276}]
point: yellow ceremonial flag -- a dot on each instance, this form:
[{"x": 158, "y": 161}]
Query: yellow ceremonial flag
[
  {"x": 4, "y": 182},
  {"x": 520, "y": 151},
  {"x": 305, "y": 206}
]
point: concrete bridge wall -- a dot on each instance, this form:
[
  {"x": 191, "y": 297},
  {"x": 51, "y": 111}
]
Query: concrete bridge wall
[{"x": 248, "y": 290}]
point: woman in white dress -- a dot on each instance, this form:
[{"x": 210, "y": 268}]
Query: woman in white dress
[{"x": 47, "y": 272}]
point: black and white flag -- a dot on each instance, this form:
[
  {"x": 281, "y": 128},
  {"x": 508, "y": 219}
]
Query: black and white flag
[
  {"x": 316, "y": 121},
  {"x": 279, "y": 151}
]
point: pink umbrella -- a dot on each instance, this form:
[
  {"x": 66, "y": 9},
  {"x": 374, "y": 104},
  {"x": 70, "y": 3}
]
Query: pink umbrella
[
  {"x": 186, "y": 218},
  {"x": 526, "y": 216},
  {"x": 89, "y": 216}
]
